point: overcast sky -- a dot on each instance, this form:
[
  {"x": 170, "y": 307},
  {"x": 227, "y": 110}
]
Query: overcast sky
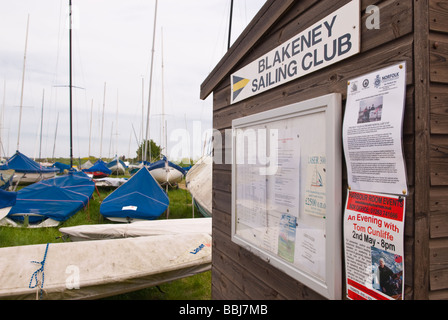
[{"x": 111, "y": 47}]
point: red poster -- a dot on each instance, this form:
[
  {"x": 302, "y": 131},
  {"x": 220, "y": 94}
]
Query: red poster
[{"x": 373, "y": 232}]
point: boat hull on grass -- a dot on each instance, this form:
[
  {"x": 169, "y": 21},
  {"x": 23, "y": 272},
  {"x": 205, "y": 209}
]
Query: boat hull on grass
[
  {"x": 138, "y": 229},
  {"x": 28, "y": 178},
  {"x": 167, "y": 176},
  {"x": 117, "y": 166},
  {"x": 98, "y": 269},
  {"x": 166, "y": 173},
  {"x": 199, "y": 183}
]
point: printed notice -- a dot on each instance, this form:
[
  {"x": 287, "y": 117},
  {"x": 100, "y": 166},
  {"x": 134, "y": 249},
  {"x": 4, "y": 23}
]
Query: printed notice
[
  {"x": 373, "y": 234},
  {"x": 284, "y": 186},
  {"x": 287, "y": 237},
  {"x": 372, "y": 131},
  {"x": 310, "y": 250},
  {"x": 315, "y": 200}
]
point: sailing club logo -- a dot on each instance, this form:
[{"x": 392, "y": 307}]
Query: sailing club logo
[{"x": 238, "y": 85}]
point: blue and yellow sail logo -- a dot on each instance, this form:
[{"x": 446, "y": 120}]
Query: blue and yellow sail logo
[{"x": 238, "y": 85}]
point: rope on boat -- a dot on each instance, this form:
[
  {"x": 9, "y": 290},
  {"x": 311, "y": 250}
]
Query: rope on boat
[{"x": 34, "y": 276}]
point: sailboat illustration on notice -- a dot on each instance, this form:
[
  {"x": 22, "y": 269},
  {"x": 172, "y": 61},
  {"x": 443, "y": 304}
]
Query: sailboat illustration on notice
[{"x": 316, "y": 180}]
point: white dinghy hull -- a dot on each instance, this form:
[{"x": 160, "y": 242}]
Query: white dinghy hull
[
  {"x": 138, "y": 229},
  {"x": 97, "y": 269}
]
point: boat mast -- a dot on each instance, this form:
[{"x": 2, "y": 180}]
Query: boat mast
[
  {"x": 102, "y": 121},
  {"x": 150, "y": 85},
  {"x": 230, "y": 24},
  {"x": 163, "y": 134},
  {"x": 143, "y": 115},
  {"x": 90, "y": 130},
  {"x": 23, "y": 82},
  {"x": 41, "y": 123},
  {"x": 55, "y": 135},
  {"x": 70, "y": 72},
  {"x": 116, "y": 130},
  {"x": 1, "y": 119}
]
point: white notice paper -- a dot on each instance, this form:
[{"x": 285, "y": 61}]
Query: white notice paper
[
  {"x": 315, "y": 200},
  {"x": 372, "y": 131}
]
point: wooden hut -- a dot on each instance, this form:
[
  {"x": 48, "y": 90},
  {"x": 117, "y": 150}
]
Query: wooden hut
[{"x": 413, "y": 31}]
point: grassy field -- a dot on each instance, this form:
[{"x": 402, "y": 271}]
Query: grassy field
[{"x": 197, "y": 287}]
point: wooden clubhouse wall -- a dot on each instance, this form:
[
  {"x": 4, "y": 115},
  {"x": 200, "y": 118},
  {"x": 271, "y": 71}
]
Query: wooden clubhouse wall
[{"x": 415, "y": 31}]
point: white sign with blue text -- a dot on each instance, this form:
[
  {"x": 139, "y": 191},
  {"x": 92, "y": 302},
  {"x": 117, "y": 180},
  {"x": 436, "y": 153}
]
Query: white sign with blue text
[{"x": 332, "y": 39}]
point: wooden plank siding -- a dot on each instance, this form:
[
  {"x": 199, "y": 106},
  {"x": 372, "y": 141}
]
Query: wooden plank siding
[
  {"x": 438, "y": 152},
  {"x": 409, "y": 29},
  {"x": 421, "y": 148}
]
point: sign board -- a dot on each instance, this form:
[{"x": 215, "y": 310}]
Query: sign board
[
  {"x": 286, "y": 190},
  {"x": 332, "y": 39},
  {"x": 374, "y": 232},
  {"x": 372, "y": 131}
]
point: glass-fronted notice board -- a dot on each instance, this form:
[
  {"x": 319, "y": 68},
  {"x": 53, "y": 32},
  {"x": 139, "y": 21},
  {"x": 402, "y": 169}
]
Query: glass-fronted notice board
[{"x": 286, "y": 190}]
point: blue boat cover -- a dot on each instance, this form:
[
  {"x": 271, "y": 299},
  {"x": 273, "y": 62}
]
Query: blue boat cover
[
  {"x": 61, "y": 166},
  {"x": 57, "y": 198},
  {"x": 99, "y": 166},
  {"x": 7, "y": 198},
  {"x": 114, "y": 162},
  {"x": 140, "y": 197},
  {"x": 21, "y": 163},
  {"x": 161, "y": 164}
]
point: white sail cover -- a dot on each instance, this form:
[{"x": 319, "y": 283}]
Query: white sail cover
[
  {"x": 110, "y": 182},
  {"x": 138, "y": 229},
  {"x": 96, "y": 269}
]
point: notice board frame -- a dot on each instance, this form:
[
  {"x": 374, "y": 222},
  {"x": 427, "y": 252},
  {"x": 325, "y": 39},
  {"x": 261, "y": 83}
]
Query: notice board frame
[{"x": 330, "y": 108}]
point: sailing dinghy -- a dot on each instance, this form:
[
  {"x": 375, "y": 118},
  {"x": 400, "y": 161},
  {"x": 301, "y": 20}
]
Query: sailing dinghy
[
  {"x": 140, "y": 198},
  {"x": 49, "y": 202},
  {"x": 98, "y": 269},
  {"x": 138, "y": 229},
  {"x": 199, "y": 182},
  {"x": 86, "y": 165},
  {"x": 27, "y": 170},
  {"x": 98, "y": 170},
  {"x": 117, "y": 166},
  {"x": 166, "y": 172}
]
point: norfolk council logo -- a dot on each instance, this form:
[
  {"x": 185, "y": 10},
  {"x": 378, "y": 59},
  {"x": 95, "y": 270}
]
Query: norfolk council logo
[{"x": 377, "y": 81}]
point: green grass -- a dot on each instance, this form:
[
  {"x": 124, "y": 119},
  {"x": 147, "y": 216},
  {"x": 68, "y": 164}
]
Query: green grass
[{"x": 197, "y": 287}]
